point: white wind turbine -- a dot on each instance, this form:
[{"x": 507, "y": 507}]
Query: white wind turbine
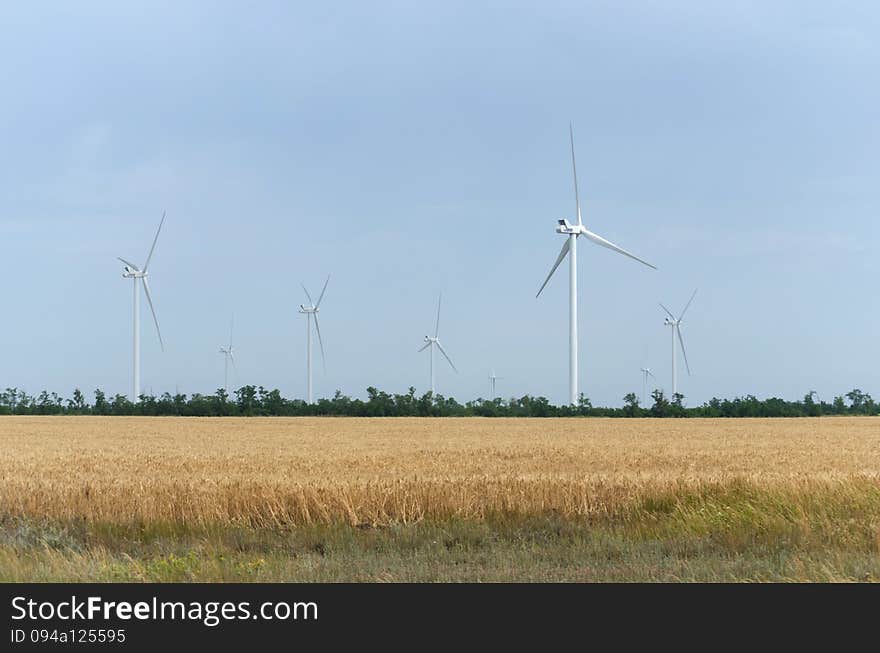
[
  {"x": 570, "y": 248},
  {"x": 492, "y": 379},
  {"x": 435, "y": 342},
  {"x": 312, "y": 311},
  {"x": 228, "y": 356},
  {"x": 133, "y": 272},
  {"x": 675, "y": 323},
  {"x": 647, "y": 372}
]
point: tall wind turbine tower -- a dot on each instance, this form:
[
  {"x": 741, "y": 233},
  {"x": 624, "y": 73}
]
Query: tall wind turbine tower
[
  {"x": 228, "y": 356},
  {"x": 569, "y": 248},
  {"x": 138, "y": 276},
  {"x": 311, "y": 311},
  {"x": 431, "y": 342},
  {"x": 675, "y": 324},
  {"x": 492, "y": 380}
]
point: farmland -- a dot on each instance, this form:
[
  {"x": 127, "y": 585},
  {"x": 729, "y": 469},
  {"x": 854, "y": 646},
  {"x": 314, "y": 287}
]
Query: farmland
[{"x": 101, "y": 498}]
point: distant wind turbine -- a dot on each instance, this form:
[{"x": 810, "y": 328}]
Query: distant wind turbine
[
  {"x": 492, "y": 379},
  {"x": 647, "y": 372},
  {"x": 675, "y": 323},
  {"x": 138, "y": 275},
  {"x": 312, "y": 311},
  {"x": 435, "y": 342},
  {"x": 570, "y": 249},
  {"x": 228, "y": 356}
]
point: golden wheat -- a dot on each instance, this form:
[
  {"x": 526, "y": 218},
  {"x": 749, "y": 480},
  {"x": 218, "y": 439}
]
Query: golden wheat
[{"x": 304, "y": 470}]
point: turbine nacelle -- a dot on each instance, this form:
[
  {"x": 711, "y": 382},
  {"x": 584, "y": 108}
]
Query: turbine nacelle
[
  {"x": 567, "y": 228},
  {"x": 132, "y": 273},
  {"x": 308, "y": 309}
]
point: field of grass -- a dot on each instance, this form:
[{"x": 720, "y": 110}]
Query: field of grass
[{"x": 269, "y": 499}]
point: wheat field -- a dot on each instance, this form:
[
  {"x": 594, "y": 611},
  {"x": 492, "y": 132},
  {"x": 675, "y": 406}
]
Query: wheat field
[{"x": 279, "y": 471}]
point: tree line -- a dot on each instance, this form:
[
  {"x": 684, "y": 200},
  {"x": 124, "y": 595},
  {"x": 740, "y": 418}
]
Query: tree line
[{"x": 252, "y": 400}]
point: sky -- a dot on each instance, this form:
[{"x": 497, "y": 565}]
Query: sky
[{"x": 410, "y": 149}]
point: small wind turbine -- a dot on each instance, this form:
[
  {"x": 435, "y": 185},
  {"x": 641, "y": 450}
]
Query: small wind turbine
[
  {"x": 647, "y": 372},
  {"x": 312, "y": 311},
  {"x": 435, "y": 342},
  {"x": 572, "y": 231},
  {"x": 675, "y": 323},
  {"x": 492, "y": 379},
  {"x": 133, "y": 272},
  {"x": 228, "y": 356}
]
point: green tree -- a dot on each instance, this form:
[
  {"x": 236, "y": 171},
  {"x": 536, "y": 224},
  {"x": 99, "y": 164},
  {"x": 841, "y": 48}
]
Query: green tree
[
  {"x": 661, "y": 404},
  {"x": 121, "y": 405},
  {"x": 78, "y": 403},
  {"x": 631, "y": 405},
  {"x": 676, "y": 409},
  {"x": 101, "y": 405},
  {"x": 246, "y": 398},
  {"x": 857, "y": 400},
  {"x": 585, "y": 406}
]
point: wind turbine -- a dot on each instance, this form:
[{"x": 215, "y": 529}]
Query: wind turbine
[
  {"x": 492, "y": 379},
  {"x": 228, "y": 355},
  {"x": 435, "y": 342},
  {"x": 675, "y": 323},
  {"x": 312, "y": 311},
  {"x": 647, "y": 372},
  {"x": 138, "y": 275},
  {"x": 570, "y": 249}
]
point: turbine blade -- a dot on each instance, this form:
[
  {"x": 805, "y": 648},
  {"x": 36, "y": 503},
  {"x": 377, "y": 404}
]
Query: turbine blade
[
  {"x": 307, "y": 294},
  {"x": 668, "y": 312},
  {"x": 688, "y": 305},
  {"x": 320, "y": 342},
  {"x": 446, "y": 356},
  {"x": 150, "y": 255},
  {"x": 321, "y": 296},
  {"x": 428, "y": 344},
  {"x": 232, "y": 358},
  {"x": 437, "y": 325},
  {"x": 559, "y": 259},
  {"x": 651, "y": 374},
  {"x": 153, "y": 310},
  {"x": 231, "y": 324},
  {"x": 605, "y": 243},
  {"x": 683, "y": 352},
  {"x": 131, "y": 265},
  {"x": 577, "y": 199}
]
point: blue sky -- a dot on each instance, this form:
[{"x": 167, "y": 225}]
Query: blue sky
[{"x": 412, "y": 149}]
